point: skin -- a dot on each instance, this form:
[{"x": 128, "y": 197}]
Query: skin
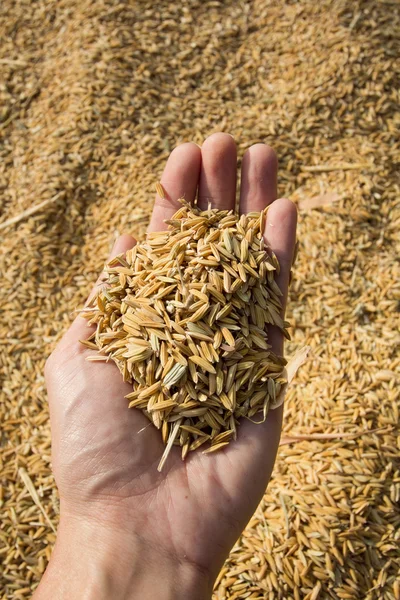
[{"x": 126, "y": 530}]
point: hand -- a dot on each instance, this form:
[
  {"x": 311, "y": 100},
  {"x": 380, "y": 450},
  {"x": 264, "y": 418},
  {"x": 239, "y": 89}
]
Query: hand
[{"x": 126, "y": 530}]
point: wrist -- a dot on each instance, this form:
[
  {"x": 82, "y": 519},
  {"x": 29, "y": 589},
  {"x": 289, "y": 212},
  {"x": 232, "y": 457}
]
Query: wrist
[{"x": 90, "y": 562}]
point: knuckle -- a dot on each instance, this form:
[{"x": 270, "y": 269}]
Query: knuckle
[{"x": 166, "y": 203}]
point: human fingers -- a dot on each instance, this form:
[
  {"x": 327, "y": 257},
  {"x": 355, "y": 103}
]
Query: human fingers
[
  {"x": 280, "y": 236},
  {"x": 259, "y": 175},
  {"x": 217, "y": 183},
  {"x": 121, "y": 245},
  {"x": 179, "y": 180}
]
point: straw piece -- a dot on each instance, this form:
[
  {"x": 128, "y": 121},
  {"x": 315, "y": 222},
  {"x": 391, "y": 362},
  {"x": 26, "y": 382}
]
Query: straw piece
[
  {"x": 29, "y": 212},
  {"x": 172, "y": 437},
  {"x": 35, "y": 496},
  {"x": 331, "y": 436},
  {"x": 289, "y": 373},
  {"x": 329, "y": 168},
  {"x": 318, "y": 201}
]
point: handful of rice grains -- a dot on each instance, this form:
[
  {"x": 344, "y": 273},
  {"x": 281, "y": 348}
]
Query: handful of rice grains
[{"x": 185, "y": 316}]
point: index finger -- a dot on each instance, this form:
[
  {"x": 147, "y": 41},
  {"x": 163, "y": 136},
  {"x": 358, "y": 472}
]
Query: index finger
[{"x": 179, "y": 180}]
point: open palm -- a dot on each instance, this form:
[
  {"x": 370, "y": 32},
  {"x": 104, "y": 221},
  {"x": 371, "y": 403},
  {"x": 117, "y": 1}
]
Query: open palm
[{"x": 105, "y": 456}]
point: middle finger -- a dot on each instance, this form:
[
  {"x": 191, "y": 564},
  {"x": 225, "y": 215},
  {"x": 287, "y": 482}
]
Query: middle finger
[{"x": 218, "y": 172}]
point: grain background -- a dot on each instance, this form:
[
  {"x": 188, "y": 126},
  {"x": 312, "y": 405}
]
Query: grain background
[{"x": 93, "y": 96}]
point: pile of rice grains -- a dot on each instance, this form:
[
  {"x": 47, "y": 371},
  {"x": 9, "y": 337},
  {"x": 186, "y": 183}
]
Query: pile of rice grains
[
  {"x": 184, "y": 316},
  {"x": 93, "y": 96}
]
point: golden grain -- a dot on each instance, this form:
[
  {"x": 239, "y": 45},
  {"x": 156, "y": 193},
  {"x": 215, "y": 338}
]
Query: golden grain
[
  {"x": 196, "y": 320},
  {"x": 160, "y": 190}
]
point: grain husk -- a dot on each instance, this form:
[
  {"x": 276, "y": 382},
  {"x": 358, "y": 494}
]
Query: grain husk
[{"x": 206, "y": 386}]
